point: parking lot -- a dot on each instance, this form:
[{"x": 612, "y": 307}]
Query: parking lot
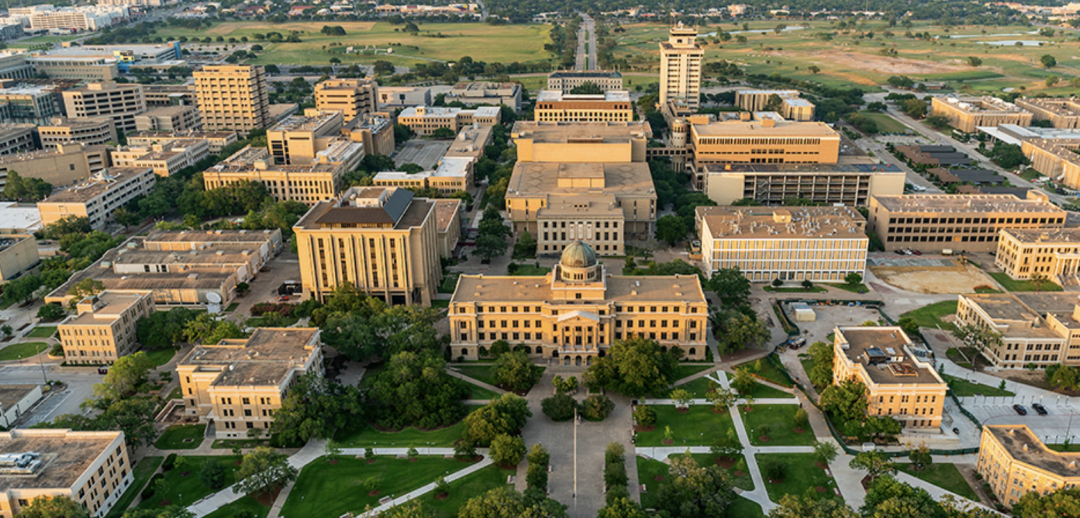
[
  {"x": 1063, "y": 419},
  {"x": 80, "y": 386},
  {"x": 424, "y": 153}
]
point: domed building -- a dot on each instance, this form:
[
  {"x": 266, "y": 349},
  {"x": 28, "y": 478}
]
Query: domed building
[{"x": 576, "y": 311}]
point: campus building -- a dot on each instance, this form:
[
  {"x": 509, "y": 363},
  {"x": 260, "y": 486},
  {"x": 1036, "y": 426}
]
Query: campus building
[
  {"x": 306, "y": 182},
  {"x": 239, "y": 383},
  {"x": 401, "y": 96},
  {"x": 91, "y": 468},
  {"x": 120, "y": 102},
  {"x": 819, "y": 244},
  {"x": 1014, "y": 462},
  {"x": 103, "y": 328},
  {"x": 1036, "y": 328},
  {"x": 298, "y": 139},
  {"x": 352, "y": 97},
  {"x": 680, "y": 68},
  {"x": 1053, "y": 253},
  {"x": 470, "y": 143},
  {"x": 966, "y": 114},
  {"x": 90, "y": 131},
  {"x": 65, "y": 164},
  {"x": 18, "y": 254},
  {"x": 17, "y": 138},
  {"x": 217, "y": 140},
  {"x": 158, "y": 96},
  {"x": 75, "y": 68},
  {"x": 233, "y": 97},
  {"x": 577, "y": 311},
  {"x": 382, "y": 240},
  {"x": 376, "y": 133},
  {"x": 771, "y": 184},
  {"x": 170, "y": 118},
  {"x": 962, "y": 222},
  {"x": 1062, "y": 113},
  {"x": 610, "y": 106},
  {"x": 30, "y": 104},
  {"x": 425, "y": 120},
  {"x": 451, "y": 175},
  {"x": 16, "y": 401},
  {"x": 765, "y": 140},
  {"x": 791, "y": 106},
  {"x": 98, "y": 198},
  {"x": 898, "y": 384},
  {"x": 1055, "y": 158},
  {"x": 484, "y": 92},
  {"x": 165, "y": 159},
  {"x": 567, "y": 80}
]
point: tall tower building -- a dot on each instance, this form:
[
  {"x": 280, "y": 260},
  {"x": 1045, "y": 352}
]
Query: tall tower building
[
  {"x": 353, "y": 97},
  {"x": 233, "y": 97},
  {"x": 680, "y": 67}
]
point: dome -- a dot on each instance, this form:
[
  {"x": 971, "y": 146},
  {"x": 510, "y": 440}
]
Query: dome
[{"x": 578, "y": 255}]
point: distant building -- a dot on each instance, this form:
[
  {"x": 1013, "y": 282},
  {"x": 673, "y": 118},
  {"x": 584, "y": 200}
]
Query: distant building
[
  {"x": 470, "y": 143},
  {"x": 1055, "y": 158},
  {"x": 79, "y": 68},
  {"x": 298, "y": 139},
  {"x": 31, "y": 104},
  {"x": 88, "y": 131},
  {"x": 17, "y": 138},
  {"x": 610, "y": 106},
  {"x": 1062, "y": 113},
  {"x": 103, "y": 328},
  {"x": 1039, "y": 329},
  {"x": 217, "y": 140},
  {"x": 792, "y": 107},
  {"x": 353, "y": 97},
  {"x": 771, "y": 184},
  {"x": 170, "y": 118},
  {"x": 119, "y": 101},
  {"x": 165, "y": 159},
  {"x": 483, "y": 92},
  {"x": 376, "y": 133},
  {"x": 1014, "y": 462},
  {"x": 169, "y": 95},
  {"x": 400, "y": 96},
  {"x": 451, "y": 175},
  {"x": 426, "y": 120},
  {"x": 98, "y": 198},
  {"x": 233, "y": 97},
  {"x": 680, "y": 68},
  {"x": 968, "y": 113},
  {"x": 63, "y": 165},
  {"x": 18, "y": 254},
  {"x": 307, "y": 182},
  {"x": 567, "y": 80}
]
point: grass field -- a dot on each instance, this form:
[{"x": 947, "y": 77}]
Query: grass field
[
  {"x": 185, "y": 481},
  {"x": 930, "y": 316},
  {"x": 885, "y": 123},
  {"x": 244, "y": 504},
  {"x": 801, "y": 476},
  {"x": 369, "y": 436},
  {"x": 698, "y": 427},
  {"x": 161, "y": 356},
  {"x": 965, "y": 388},
  {"x": 174, "y": 437},
  {"x": 649, "y": 470},
  {"x": 1014, "y": 285},
  {"x": 482, "y": 42},
  {"x": 24, "y": 350},
  {"x": 945, "y": 476},
  {"x": 768, "y": 371},
  {"x": 141, "y": 473},
  {"x": 461, "y": 490},
  {"x": 697, "y": 388},
  {"x": 42, "y": 332},
  {"x": 781, "y": 421}
]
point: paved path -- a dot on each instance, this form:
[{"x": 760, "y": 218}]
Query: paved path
[
  {"x": 311, "y": 451},
  {"x": 453, "y": 372},
  {"x": 473, "y": 468},
  {"x": 938, "y": 493}
]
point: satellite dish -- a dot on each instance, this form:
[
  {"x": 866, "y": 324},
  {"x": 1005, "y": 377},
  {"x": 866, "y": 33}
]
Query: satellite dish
[{"x": 213, "y": 298}]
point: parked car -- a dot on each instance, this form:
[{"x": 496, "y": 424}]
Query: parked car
[
  {"x": 1020, "y": 409},
  {"x": 283, "y": 298},
  {"x": 916, "y": 252},
  {"x": 898, "y": 252},
  {"x": 102, "y": 370},
  {"x": 1039, "y": 409}
]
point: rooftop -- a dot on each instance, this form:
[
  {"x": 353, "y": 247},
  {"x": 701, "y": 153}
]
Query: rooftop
[
  {"x": 470, "y": 141},
  {"x": 112, "y": 178},
  {"x": 65, "y": 455},
  {"x": 755, "y": 91},
  {"x": 585, "y": 74},
  {"x": 1056, "y": 106},
  {"x": 981, "y": 104},
  {"x": 445, "y": 210},
  {"x": 558, "y": 96},
  {"x": 548, "y": 178},
  {"x": 265, "y": 358},
  {"x": 66, "y": 149},
  {"x": 764, "y": 128},
  {"x": 107, "y": 307},
  {"x": 963, "y": 203},
  {"x": 1045, "y": 236},
  {"x": 306, "y": 122},
  {"x": 783, "y": 223},
  {"x": 793, "y": 169},
  {"x": 378, "y": 207},
  {"x": 14, "y": 216},
  {"x": 675, "y": 288},
  {"x": 1013, "y": 316},
  {"x": 882, "y": 351},
  {"x": 211, "y": 236},
  {"x": 1025, "y": 447},
  {"x": 569, "y": 132},
  {"x": 11, "y": 395}
]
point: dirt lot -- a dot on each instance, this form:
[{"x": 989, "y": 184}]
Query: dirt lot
[
  {"x": 925, "y": 278},
  {"x": 828, "y": 317},
  {"x": 878, "y": 64}
]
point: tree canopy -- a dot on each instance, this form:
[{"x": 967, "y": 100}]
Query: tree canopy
[{"x": 634, "y": 367}]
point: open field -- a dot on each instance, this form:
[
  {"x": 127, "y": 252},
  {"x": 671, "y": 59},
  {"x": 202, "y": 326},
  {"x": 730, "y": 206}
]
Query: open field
[
  {"x": 960, "y": 277},
  {"x": 885, "y": 124},
  {"x": 482, "y": 42},
  {"x": 849, "y": 60},
  {"x": 945, "y": 476}
]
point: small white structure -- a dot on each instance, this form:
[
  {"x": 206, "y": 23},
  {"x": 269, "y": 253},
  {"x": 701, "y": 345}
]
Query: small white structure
[
  {"x": 803, "y": 312},
  {"x": 16, "y": 400}
]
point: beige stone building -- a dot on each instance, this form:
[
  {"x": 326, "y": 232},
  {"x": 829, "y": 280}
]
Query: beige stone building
[
  {"x": 170, "y": 118},
  {"x": 67, "y": 164},
  {"x": 610, "y": 106},
  {"x": 771, "y": 184},
  {"x": 233, "y": 97},
  {"x": 567, "y": 80},
  {"x": 165, "y": 159},
  {"x": 1036, "y": 328},
  {"x": 1055, "y": 158},
  {"x": 820, "y": 244},
  {"x": 77, "y": 68},
  {"x": 1014, "y": 462},
  {"x": 380, "y": 239},
  {"x": 486, "y": 92},
  {"x": 581, "y": 142},
  {"x": 97, "y": 198},
  {"x": 91, "y": 468},
  {"x": 451, "y": 175},
  {"x": 959, "y": 222},
  {"x": 470, "y": 143},
  {"x": 217, "y": 140},
  {"x": 425, "y": 120},
  {"x": 169, "y": 95},
  {"x": 17, "y": 138},
  {"x": 31, "y": 104},
  {"x": 298, "y": 139},
  {"x": 763, "y": 141},
  {"x": 1062, "y": 113},
  {"x": 448, "y": 219},
  {"x": 1052, "y": 252},
  {"x": 898, "y": 384},
  {"x": 307, "y": 183},
  {"x": 120, "y": 102},
  {"x": 376, "y": 133},
  {"x": 792, "y": 107},
  {"x": 237, "y": 384},
  {"x": 680, "y": 68},
  {"x": 968, "y": 113},
  {"x": 90, "y": 131},
  {"x": 577, "y": 311},
  {"x": 18, "y": 254},
  {"x": 103, "y": 328},
  {"x": 352, "y": 97}
]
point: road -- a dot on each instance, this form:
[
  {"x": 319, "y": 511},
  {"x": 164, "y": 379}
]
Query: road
[{"x": 586, "y": 51}]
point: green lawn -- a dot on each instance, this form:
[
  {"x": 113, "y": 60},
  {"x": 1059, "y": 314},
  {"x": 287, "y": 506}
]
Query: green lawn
[
  {"x": 762, "y": 391},
  {"x": 965, "y": 388},
  {"x": 461, "y": 490},
  {"x": 1014, "y": 285},
  {"x": 190, "y": 486},
  {"x": 698, "y": 427},
  {"x": 324, "y": 489},
  {"x": 650, "y": 469},
  {"x": 141, "y": 473},
  {"x": 227, "y": 444},
  {"x": 769, "y": 371},
  {"x": 484, "y": 373},
  {"x": 930, "y": 316},
  {"x": 232, "y": 307},
  {"x": 42, "y": 332},
  {"x": 885, "y": 123},
  {"x": 449, "y": 282},
  {"x": 685, "y": 371},
  {"x": 745, "y": 508},
  {"x": 440, "y": 303},
  {"x": 1061, "y": 447},
  {"x": 479, "y": 392},
  {"x": 801, "y": 477},
  {"x": 244, "y": 504},
  {"x": 854, "y": 288},
  {"x": 958, "y": 358},
  {"x": 697, "y": 388},
  {"x": 781, "y": 420},
  {"x": 945, "y": 476},
  {"x": 369, "y": 436},
  {"x": 181, "y": 437},
  {"x": 24, "y": 350},
  {"x": 161, "y": 356}
]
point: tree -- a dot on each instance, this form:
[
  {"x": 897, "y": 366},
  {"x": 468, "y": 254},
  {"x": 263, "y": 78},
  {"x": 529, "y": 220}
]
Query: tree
[
  {"x": 731, "y": 286},
  {"x": 888, "y": 497},
  {"x": 212, "y": 476},
  {"x": 814, "y": 69},
  {"x": 172, "y": 511},
  {"x": 587, "y": 88},
  {"x": 644, "y": 415},
  {"x": 937, "y": 121},
  {"x": 1048, "y": 61},
  {"x": 773, "y": 103},
  {"x": 743, "y": 382},
  {"x": 874, "y": 462},
  {"x": 920, "y": 458},
  {"x": 263, "y": 470},
  {"x": 410, "y": 509},
  {"x": 670, "y": 228},
  {"x": 317, "y": 408},
  {"x": 633, "y": 367},
  {"x": 489, "y": 246},
  {"x": 682, "y": 398},
  {"x": 504, "y": 415},
  {"x": 514, "y": 371},
  {"x": 596, "y": 407},
  {"x": 721, "y": 398},
  {"x": 740, "y": 331},
  {"x": 882, "y": 426},
  {"x": 1038, "y": 280},
  {"x": 26, "y": 190},
  {"x": 978, "y": 337},
  {"x": 50, "y": 312},
  {"x": 507, "y": 450},
  {"x": 87, "y": 287},
  {"x": 163, "y": 329},
  {"x": 916, "y": 108},
  {"x": 853, "y": 278},
  {"x": 1008, "y": 156},
  {"x": 560, "y": 407},
  {"x": 415, "y": 390},
  {"x": 1052, "y": 81},
  {"x": 695, "y": 491},
  {"x": 1062, "y": 503},
  {"x": 622, "y": 507},
  {"x": 126, "y": 373},
  {"x": 792, "y": 506},
  {"x": 846, "y": 400},
  {"x": 974, "y": 61},
  {"x": 537, "y": 474},
  {"x": 825, "y": 451},
  {"x": 506, "y": 503},
  {"x": 21, "y": 289},
  {"x": 58, "y": 506}
]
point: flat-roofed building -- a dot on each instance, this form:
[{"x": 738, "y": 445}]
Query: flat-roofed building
[
  {"x": 425, "y": 120},
  {"x": 791, "y": 106},
  {"x": 819, "y": 244},
  {"x": 352, "y": 97},
  {"x": 1036, "y": 328},
  {"x": 1055, "y": 158},
  {"x": 119, "y": 101},
  {"x": 764, "y": 141},
  {"x": 78, "y": 68},
  {"x": 91, "y": 468},
  {"x": 103, "y": 328},
  {"x": 15, "y": 401},
  {"x": 448, "y": 221},
  {"x": 555, "y": 106},
  {"x": 968, "y": 113},
  {"x": 18, "y": 254},
  {"x": 238, "y": 384},
  {"x": 375, "y": 132},
  {"x": 680, "y": 67},
  {"x": 217, "y": 140},
  {"x": 382, "y": 240},
  {"x": 898, "y": 383},
  {"x": 66, "y": 164},
  {"x": 485, "y": 92},
  {"x": 233, "y": 97},
  {"x": 470, "y": 143},
  {"x": 567, "y": 80},
  {"x": 577, "y": 311},
  {"x": 400, "y": 96},
  {"x": 13, "y": 65},
  {"x": 1053, "y": 253},
  {"x": 266, "y": 243},
  {"x": 170, "y": 118},
  {"x": 165, "y": 159},
  {"x": 98, "y": 198},
  {"x": 299, "y": 138},
  {"x": 1062, "y": 113},
  {"x": 307, "y": 183},
  {"x": 169, "y": 95},
  {"x": 451, "y": 175},
  {"x": 581, "y": 142},
  {"x": 31, "y": 104},
  {"x": 1014, "y": 462},
  {"x": 19, "y": 218},
  {"x": 966, "y": 222},
  {"x": 17, "y": 138},
  {"x": 771, "y": 184},
  {"x": 88, "y": 131}
]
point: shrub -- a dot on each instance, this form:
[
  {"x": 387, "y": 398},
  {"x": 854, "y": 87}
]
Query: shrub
[
  {"x": 616, "y": 493},
  {"x": 615, "y": 475},
  {"x": 615, "y": 452},
  {"x": 170, "y": 461},
  {"x": 644, "y": 415},
  {"x": 537, "y": 476},
  {"x": 282, "y": 308},
  {"x": 773, "y": 470},
  {"x": 597, "y": 407},
  {"x": 57, "y": 350},
  {"x": 507, "y": 450},
  {"x": 559, "y": 407}
]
